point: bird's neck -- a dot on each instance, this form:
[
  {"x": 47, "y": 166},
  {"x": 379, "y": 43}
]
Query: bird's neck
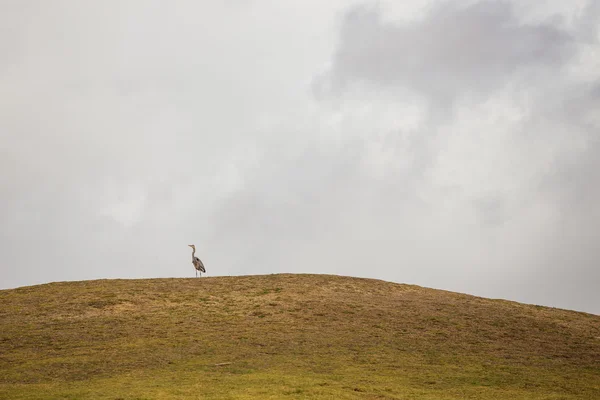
[{"x": 193, "y": 252}]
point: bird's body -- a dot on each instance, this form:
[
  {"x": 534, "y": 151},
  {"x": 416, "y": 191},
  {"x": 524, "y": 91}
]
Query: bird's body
[{"x": 196, "y": 261}]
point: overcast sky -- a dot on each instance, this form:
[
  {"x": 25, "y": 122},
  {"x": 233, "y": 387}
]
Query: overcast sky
[{"x": 448, "y": 144}]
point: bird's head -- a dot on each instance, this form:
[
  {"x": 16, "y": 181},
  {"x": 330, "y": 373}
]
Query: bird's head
[{"x": 192, "y": 246}]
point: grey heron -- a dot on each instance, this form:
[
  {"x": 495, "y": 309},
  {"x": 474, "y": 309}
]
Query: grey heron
[{"x": 196, "y": 261}]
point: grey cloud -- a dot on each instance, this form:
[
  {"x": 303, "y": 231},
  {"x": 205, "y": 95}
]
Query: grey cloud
[
  {"x": 588, "y": 22},
  {"x": 569, "y": 113},
  {"x": 490, "y": 209},
  {"x": 288, "y": 203},
  {"x": 455, "y": 49},
  {"x": 570, "y": 256}
]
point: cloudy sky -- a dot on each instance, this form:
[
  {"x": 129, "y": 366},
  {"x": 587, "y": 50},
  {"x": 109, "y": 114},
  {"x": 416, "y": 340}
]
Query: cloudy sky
[{"x": 448, "y": 144}]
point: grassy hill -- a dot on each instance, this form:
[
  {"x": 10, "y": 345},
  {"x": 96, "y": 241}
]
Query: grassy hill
[{"x": 288, "y": 336}]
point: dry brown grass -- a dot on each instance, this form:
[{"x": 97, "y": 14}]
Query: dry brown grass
[{"x": 296, "y": 336}]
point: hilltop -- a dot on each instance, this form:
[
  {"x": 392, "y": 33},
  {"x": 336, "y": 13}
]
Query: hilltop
[{"x": 288, "y": 336}]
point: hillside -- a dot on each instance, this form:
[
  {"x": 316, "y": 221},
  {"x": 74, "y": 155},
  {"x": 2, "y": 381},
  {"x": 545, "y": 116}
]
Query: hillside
[{"x": 288, "y": 336}]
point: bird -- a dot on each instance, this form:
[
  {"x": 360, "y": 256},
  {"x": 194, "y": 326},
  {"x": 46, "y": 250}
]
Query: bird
[{"x": 196, "y": 261}]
